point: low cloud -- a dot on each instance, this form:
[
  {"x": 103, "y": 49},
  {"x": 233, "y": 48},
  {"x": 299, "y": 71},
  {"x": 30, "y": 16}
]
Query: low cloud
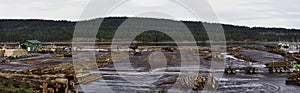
[{"x": 269, "y": 13}]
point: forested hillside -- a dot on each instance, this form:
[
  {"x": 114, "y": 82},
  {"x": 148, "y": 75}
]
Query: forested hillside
[{"x": 48, "y": 30}]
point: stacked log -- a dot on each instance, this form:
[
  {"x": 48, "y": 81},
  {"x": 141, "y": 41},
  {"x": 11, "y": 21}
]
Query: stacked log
[
  {"x": 41, "y": 84},
  {"x": 2, "y": 53},
  {"x": 243, "y": 57},
  {"x": 84, "y": 78},
  {"x": 62, "y": 68},
  {"x": 15, "y": 52},
  {"x": 104, "y": 60},
  {"x": 293, "y": 78},
  {"x": 193, "y": 82},
  {"x": 53, "y": 78}
]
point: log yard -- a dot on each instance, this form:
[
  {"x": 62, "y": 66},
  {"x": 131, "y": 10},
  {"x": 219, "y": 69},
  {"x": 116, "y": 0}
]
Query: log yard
[
  {"x": 51, "y": 69},
  {"x": 149, "y": 46}
]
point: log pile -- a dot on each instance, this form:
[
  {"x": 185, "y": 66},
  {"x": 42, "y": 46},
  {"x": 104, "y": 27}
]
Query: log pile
[
  {"x": 2, "y": 53},
  {"x": 104, "y": 60},
  {"x": 293, "y": 79},
  {"x": 62, "y": 68},
  {"x": 52, "y": 77},
  {"x": 243, "y": 57},
  {"x": 195, "y": 82},
  {"x": 41, "y": 83}
]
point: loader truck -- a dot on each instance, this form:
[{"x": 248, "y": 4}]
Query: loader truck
[
  {"x": 282, "y": 66},
  {"x": 135, "y": 49}
]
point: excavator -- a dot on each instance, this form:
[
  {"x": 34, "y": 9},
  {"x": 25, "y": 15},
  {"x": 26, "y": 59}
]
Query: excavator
[
  {"x": 136, "y": 51},
  {"x": 47, "y": 49},
  {"x": 63, "y": 52}
]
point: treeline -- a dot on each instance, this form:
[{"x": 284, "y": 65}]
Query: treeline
[
  {"x": 49, "y": 30},
  {"x": 44, "y": 30}
]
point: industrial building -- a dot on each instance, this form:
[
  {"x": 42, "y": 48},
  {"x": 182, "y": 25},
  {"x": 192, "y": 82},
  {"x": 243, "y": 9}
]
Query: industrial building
[{"x": 31, "y": 45}]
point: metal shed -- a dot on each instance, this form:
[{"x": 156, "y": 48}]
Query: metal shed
[{"x": 31, "y": 45}]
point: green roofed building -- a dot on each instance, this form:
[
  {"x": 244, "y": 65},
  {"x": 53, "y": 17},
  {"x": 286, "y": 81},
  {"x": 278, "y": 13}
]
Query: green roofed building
[{"x": 31, "y": 45}]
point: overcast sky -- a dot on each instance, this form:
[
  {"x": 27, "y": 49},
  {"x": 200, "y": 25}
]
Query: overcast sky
[{"x": 266, "y": 13}]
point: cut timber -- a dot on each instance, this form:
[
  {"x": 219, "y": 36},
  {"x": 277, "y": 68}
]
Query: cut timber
[
  {"x": 293, "y": 79},
  {"x": 15, "y": 52},
  {"x": 88, "y": 77},
  {"x": 198, "y": 82},
  {"x": 41, "y": 84},
  {"x": 2, "y": 53},
  {"x": 276, "y": 67}
]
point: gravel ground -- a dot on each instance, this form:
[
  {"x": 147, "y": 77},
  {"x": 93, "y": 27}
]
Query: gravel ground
[{"x": 128, "y": 80}]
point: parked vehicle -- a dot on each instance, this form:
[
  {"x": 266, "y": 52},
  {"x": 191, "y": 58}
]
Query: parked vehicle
[
  {"x": 233, "y": 70},
  {"x": 135, "y": 49},
  {"x": 282, "y": 66}
]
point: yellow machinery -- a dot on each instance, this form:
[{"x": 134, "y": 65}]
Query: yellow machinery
[
  {"x": 137, "y": 52},
  {"x": 63, "y": 52},
  {"x": 135, "y": 49},
  {"x": 46, "y": 49},
  {"x": 169, "y": 49},
  {"x": 41, "y": 50}
]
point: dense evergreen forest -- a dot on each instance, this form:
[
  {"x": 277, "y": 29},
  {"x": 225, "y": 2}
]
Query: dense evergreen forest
[{"x": 51, "y": 31}]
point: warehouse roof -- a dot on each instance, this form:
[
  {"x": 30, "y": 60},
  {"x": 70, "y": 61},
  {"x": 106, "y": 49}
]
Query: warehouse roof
[{"x": 33, "y": 41}]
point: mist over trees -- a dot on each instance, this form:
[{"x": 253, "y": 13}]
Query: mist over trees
[{"x": 56, "y": 31}]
